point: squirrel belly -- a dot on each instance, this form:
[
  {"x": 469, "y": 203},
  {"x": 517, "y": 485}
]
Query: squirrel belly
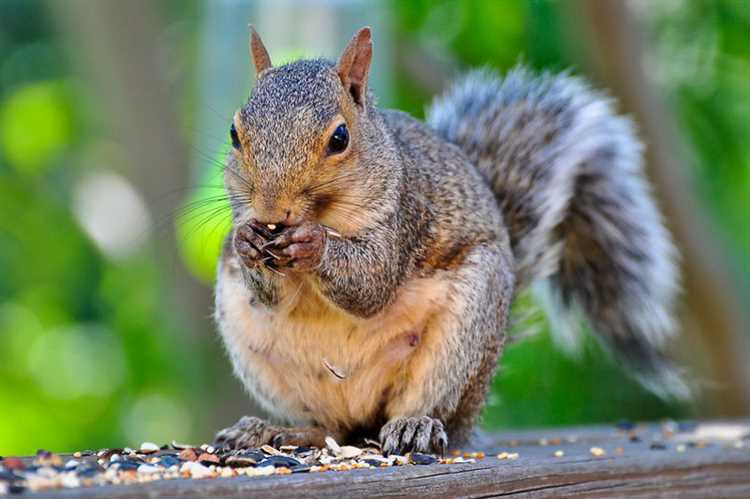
[{"x": 308, "y": 363}]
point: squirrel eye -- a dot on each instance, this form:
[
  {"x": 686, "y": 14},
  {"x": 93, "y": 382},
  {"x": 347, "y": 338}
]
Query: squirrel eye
[
  {"x": 235, "y": 138},
  {"x": 339, "y": 140}
]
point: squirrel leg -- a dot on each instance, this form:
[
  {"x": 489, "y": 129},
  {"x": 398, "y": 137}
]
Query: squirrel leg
[
  {"x": 445, "y": 384},
  {"x": 251, "y": 431}
]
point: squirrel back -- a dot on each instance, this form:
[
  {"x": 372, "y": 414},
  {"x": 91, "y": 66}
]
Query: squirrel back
[{"x": 567, "y": 174}]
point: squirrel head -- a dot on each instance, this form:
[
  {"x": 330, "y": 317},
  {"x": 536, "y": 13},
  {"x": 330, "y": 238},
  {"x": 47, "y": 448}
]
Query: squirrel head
[{"x": 306, "y": 144}]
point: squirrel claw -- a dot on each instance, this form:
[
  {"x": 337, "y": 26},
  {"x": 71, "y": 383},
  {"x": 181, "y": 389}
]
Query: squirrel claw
[
  {"x": 272, "y": 254},
  {"x": 264, "y": 246},
  {"x": 269, "y": 266},
  {"x": 416, "y": 434}
]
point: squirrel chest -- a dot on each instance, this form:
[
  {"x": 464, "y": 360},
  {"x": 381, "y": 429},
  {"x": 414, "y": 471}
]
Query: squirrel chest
[{"x": 307, "y": 362}]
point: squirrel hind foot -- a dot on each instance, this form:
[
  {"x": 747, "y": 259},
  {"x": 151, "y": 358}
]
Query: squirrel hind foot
[
  {"x": 252, "y": 432},
  {"x": 416, "y": 434}
]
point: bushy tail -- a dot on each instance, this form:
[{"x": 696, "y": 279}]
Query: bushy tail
[{"x": 567, "y": 172}]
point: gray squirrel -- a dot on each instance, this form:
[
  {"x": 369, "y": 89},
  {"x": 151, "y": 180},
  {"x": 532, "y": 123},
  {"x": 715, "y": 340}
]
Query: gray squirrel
[{"x": 365, "y": 287}]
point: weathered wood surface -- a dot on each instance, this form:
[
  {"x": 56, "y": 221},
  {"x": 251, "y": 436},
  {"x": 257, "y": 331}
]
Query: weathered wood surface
[{"x": 629, "y": 469}]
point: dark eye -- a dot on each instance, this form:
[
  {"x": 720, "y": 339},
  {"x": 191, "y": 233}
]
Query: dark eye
[
  {"x": 235, "y": 138},
  {"x": 339, "y": 140}
]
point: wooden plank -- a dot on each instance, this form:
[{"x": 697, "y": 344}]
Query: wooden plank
[{"x": 629, "y": 468}]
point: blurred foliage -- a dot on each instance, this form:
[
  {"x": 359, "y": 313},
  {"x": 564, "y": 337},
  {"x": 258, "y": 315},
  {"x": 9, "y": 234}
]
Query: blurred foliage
[
  {"x": 88, "y": 355},
  {"x": 702, "y": 60}
]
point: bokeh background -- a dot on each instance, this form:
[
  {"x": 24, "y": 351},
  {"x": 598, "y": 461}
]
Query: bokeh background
[{"x": 113, "y": 124}]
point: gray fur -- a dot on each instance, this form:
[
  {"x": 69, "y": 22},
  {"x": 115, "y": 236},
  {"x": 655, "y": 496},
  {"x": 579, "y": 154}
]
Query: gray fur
[
  {"x": 567, "y": 172},
  {"x": 516, "y": 180}
]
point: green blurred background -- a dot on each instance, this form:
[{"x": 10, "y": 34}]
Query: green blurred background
[{"x": 113, "y": 124}]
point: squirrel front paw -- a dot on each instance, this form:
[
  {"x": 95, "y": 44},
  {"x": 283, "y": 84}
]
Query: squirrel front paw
[
  {"x": 247, "y": 244},
  {"x": 300, "y": 247},
  {"x": 418, "y": 434}
]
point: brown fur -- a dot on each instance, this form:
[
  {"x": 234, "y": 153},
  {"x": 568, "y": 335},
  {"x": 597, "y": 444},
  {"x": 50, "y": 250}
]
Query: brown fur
[{"x": 389, "y": 317}]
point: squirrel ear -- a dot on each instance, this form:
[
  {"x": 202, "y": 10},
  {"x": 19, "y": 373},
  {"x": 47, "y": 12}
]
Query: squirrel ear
[
  {"x": 259, "y": 53},
  {"x": 354, "y": 65}
]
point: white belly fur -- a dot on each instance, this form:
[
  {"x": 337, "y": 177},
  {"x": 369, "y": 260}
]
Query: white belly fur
[{"x": 291, "y": 358}]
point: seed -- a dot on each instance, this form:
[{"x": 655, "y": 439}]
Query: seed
[
  {"x": 279, "y": 462},
  {"x": 271, "y": 226},
  {"x": 423, "y": 459},
  {"x": 149, "y": 448},
  {"x": 559, "y": 453},
  {"x": 597, "y": 451},
  {"x": 13, "y": 463},
  {"x": 208, "y": 459},
  {"x": 338, "y": 373},
  {"x": 332, "y": 444},
  {"x": 148, "y": 468},
  {"x": 177, "y": 446},
  {"x": 349, "y": 452},
  {"x": 240, "y": 461},
  {"x": 188, "y": 455},
  {"x": 270, "y": 450}
]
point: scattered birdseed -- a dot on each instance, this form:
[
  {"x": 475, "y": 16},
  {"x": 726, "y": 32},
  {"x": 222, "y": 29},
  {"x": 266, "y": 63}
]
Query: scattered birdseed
[
  {"x": 597, "y": 451},
  {"x": 559, "y": 453},
  {"x": 508, "y": 455},
  {"x": 150, "y": 462}
]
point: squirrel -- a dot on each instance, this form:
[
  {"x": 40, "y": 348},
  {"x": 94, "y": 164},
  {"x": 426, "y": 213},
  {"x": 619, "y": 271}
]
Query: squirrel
[{"x": 365, "y": 287}]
